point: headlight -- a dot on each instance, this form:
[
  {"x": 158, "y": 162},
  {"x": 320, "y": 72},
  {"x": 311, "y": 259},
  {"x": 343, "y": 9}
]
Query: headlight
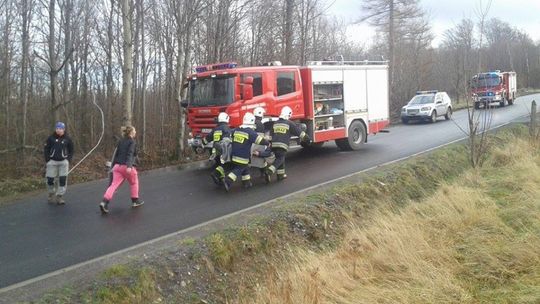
[{"x": 425, "y": 109}]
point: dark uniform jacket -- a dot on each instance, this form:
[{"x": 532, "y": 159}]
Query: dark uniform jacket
[
  {"x": 242, "y": 139},
  {"x": 281, "y": 133},
  {"x": 126, "y": 152},
  {"x": 217, "y": 134},
  {"x": 259, "y": 126},
  {"x": 58, "y": 148}
]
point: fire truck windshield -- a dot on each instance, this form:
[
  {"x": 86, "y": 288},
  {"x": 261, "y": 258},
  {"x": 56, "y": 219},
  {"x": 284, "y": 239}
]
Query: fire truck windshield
[
  {"x": 489, "y": 81},
  {"x": 211, "y": 91}
]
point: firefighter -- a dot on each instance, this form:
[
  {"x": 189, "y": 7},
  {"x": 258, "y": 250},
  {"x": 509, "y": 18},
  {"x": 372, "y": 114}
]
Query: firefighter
[
  {"x": 242, "y": 140},
  {"x": 216, "y": 135},
  {"x": 259, "y": 126},
  {"x": 281, "y": 133},
  {"x": 261, "y": 153}
]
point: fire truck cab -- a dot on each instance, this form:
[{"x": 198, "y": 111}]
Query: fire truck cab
[
  {"x": 341, "y": 101},
  {"x": 499, "y": 88}
]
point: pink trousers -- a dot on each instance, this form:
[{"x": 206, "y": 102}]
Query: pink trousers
[{"x": 119, "y": 175}]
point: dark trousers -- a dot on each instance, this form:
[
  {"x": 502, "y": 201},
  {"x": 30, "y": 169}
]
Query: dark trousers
[
  {"x": 218, "y": 167},
  {"x": 239, "y": 170},
  {"x": 279, "y": 164}
]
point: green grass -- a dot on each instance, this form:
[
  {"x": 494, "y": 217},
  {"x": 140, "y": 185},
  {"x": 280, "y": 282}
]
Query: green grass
[{"x": 318, "y": 223}]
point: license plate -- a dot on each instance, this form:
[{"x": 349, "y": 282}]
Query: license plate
[{"x": 206, "y": 130}]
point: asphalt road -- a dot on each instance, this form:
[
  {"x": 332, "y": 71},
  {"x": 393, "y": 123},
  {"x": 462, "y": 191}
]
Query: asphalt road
[{"x": 37, "y": 238}]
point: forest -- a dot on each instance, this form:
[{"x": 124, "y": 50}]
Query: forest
[{"x": 59, "y": 58}]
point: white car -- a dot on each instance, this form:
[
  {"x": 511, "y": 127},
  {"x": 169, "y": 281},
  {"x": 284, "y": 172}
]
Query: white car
[{"x": 427, "y": 105}]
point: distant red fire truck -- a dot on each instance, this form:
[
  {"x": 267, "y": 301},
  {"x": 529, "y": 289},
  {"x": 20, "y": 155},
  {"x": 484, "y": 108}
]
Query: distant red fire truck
[{"x": 494, "y": 88}]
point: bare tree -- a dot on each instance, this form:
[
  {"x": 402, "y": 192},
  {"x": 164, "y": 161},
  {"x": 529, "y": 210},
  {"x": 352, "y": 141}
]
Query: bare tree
[
  {"x": 127, "y": 68},
  {"x": 52, "y": 62},
  {"x": 479, "y": 122}
]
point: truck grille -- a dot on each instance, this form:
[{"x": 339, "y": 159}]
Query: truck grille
[{"x": 484, "y": 94}]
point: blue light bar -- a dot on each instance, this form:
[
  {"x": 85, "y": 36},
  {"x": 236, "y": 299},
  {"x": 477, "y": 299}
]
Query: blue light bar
[
  {"x": 201, "y": 69},
  {"x": 217, "y": 66},
  {"x": 426, "y": 92}
]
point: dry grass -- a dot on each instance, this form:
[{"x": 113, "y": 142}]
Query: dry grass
[{"x": 476, "y": 240}]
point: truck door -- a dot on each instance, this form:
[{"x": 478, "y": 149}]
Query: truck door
[{"x": 288, "y": 92}]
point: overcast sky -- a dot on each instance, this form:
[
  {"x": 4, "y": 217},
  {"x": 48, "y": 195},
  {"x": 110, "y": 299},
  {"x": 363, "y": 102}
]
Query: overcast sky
[{"x": 523, "y": 14}]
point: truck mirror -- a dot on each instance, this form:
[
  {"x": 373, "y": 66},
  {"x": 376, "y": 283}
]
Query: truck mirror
[
  {"x": 247, "y": 88},
  {"x": 184, "y": 103}
]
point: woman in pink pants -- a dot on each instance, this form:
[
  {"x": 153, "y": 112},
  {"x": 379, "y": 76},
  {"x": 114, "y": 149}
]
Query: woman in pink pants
[{"x": 124, "y": 169}]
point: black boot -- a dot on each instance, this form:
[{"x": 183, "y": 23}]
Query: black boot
[
  {"x": 247, "y": 184},
  {"x": 217, "y": 180},
  {"x": 104, "y": 206},
  {"x": 227, "y": 182},
  {"x": 136, "y": 202}
]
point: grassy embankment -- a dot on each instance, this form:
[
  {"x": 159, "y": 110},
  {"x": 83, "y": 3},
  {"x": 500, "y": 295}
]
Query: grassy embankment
[{"x": 431, "y": 230}]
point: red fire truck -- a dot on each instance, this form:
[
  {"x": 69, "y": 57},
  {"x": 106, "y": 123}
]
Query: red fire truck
[
  {"x": 494, "y": 88},
  {"x": 342, "y": 101}
]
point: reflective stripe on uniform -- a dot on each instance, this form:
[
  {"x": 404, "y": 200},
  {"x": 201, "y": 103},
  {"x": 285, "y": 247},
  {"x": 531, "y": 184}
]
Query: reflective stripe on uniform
[
  {"x": 240, "y": 137},
  {"x": 259, "y": 139},
  {"x": 302, "y": 134},
  {"x": 280, "y": 171},
  {"x": 220, "y": 170},
  {"x": 240, "y": 160},
  {"x": 281, "y": 128},
  {"x": 232, "y": 176},
  {"x": 272, "y": 168},
  {"x": 280, "y": 145},
  {"x": 217, "y": 135},
  {"x": 246, "y": 177}
]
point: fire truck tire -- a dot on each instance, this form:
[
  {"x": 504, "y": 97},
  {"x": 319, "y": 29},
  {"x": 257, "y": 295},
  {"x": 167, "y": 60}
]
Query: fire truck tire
[
  {"x": 355, "y": 140},
  {"x": 477, "y": 105},
  {"x": 511, "y": 101}
]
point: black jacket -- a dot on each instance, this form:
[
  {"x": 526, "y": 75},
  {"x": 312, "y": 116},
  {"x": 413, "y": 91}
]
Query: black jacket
[
  {"x": 217, "y": 134},
  {"x": 58, "y": 148},
  {"x": 126, "y": 152},
  {"x": 259, "y": 126},
  {"x": 281, "y": 133}
]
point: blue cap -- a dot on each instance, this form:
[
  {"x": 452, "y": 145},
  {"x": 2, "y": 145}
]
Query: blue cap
[{"x": 60, "y": 125}]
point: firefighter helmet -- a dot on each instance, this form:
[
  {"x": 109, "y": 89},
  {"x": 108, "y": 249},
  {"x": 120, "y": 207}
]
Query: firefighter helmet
[
  {"x": 223, "y": 117},
  {"x": 286, "y": 113},
  {"x": 259, "y": 112},
  {"x": 249, "y": 120}
]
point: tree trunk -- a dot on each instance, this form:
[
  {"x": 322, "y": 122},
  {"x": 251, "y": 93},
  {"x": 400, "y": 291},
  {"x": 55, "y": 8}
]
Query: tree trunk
[
  {"x": 127, "y": 68},
  {"x": 53, "y": 73},
  {"x": 289, "y": 4},
  {"x": 26, "y": 13}
]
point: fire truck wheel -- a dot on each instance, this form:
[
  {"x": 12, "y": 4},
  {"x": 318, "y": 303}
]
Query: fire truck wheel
[
  {"x": 477, "y": 105},
  {"x": 511, "y": 101},
  {"x": 357, "y": 136},
  {"x": 434, "y": 117}
]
